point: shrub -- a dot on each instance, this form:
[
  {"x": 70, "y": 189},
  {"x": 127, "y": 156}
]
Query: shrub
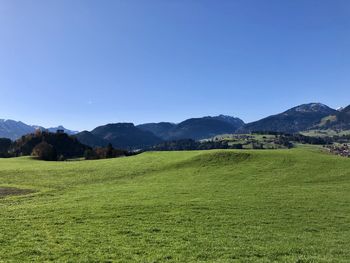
[
  {"x": 90, "y": 154},
  {"x": 104, "y": 153},
  {"x": 5, "y": 145},
  {"x": 45, "y": 151},
  {"x": 237, "y": 146},
  {"x": 61, "y": 158}
]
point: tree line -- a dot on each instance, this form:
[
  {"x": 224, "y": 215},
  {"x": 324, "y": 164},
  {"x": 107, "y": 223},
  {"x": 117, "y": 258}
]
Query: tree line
[{"x": 58, "y": 146}]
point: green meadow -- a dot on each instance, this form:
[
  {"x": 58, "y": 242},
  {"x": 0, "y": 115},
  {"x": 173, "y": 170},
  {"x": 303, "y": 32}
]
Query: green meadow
[{"x": 197, "y": 206}]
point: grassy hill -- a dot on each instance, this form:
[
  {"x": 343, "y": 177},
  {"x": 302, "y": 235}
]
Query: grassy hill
[{"x": 199, "y": 206}]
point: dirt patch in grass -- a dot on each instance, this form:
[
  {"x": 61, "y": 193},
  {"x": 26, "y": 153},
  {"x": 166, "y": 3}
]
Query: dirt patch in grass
[{"x": 9, "y": 191}]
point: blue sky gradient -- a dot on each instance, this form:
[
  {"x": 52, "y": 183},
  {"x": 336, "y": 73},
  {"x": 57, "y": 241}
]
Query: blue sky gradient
[{"x": 87, "y": 63}]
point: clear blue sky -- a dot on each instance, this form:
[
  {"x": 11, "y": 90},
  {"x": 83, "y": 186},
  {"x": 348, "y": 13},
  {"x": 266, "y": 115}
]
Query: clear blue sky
[{"x": 87, "y": 63}]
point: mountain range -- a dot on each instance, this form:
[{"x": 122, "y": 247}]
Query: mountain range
[
  {"x": 128, "y": 136},
  {"x": 120, "y": 135},
  {"x": 15, "y": 129},
  {"x": 300, "y": 118},
  {"x": 195, "y": 128}
]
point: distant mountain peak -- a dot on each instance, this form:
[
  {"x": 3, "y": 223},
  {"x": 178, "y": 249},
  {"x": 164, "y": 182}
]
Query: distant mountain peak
[
  {"x": 15, "y": 129},
  {"x": 194, "y": 128},
  {"x": 296, "y": 119},
  {"x": 224, "y": 116},
  {"x": 123, "y": 135},
  {"x": 121, "y": 124},
  {"x": 60, "y": 127},
  {"x": 311, "y": 107},
  {"x": 229, "y": 119}
]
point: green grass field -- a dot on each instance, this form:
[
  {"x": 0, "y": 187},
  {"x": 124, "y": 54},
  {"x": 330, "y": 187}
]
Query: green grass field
[
  {"x": 325, "y": 133},
  {"x": 200, "y": 206},
  {"x": 247, "y": 140}
]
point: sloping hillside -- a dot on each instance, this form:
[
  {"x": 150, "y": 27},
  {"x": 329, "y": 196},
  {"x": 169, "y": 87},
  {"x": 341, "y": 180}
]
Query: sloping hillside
[
  {"x": 90, "y": 139},
  {"x": 296, "y": 119},
  {"x": 125, "y": 136},
  {"x": 160, "y": 129},
  {"x": 340, "y": 120},
  {"x": 14, "y": 129},
  {"x": 194, "y": 128},
  {"x": 201, "y": 128}
]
